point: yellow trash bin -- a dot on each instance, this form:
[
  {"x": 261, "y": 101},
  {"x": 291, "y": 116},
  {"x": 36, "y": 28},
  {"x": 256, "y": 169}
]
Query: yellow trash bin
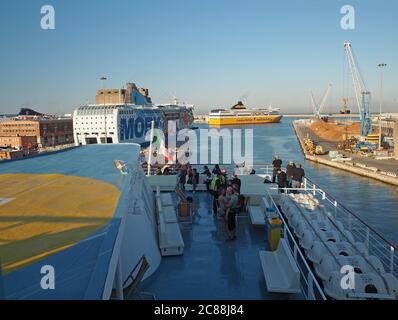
[{"x": 274, "y": 232}]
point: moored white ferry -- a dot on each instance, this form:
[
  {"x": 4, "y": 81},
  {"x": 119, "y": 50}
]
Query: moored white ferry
[{"x": 125, "y": 116}]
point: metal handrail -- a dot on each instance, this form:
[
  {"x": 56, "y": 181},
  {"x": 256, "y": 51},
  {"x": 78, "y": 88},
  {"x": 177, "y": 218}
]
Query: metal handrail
[
  {"x": 385, "y": 249},
  {"x": 379, "y": 243},
  {"x": 392, "y": 244},
  {"x": 318, "y": 188}
]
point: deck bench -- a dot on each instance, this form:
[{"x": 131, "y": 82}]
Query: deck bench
[
  {"x": 280, "y": 270},
  {"x": 170, "y": 238}
]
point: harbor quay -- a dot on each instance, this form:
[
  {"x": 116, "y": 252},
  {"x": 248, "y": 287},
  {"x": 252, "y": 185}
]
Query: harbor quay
[{"x": 384, "y": 169}]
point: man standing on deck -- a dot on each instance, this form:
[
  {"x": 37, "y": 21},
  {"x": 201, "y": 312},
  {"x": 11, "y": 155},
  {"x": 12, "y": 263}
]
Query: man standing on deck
[
  {"x": 298, "y": 176},
  {"x": 282, "y": 180},
  {"x": 214, "y": 186},
  {"x": 289, "y": 173},
  {"x": 277, "y": 163},
  {"x": 181, "y": 179}
]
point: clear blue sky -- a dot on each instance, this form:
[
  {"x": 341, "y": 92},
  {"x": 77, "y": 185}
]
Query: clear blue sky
[{"x": 207, "y": 52}]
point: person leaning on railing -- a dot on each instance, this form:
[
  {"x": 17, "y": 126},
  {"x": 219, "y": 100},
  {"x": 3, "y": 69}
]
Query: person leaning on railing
[
  {"x": 298, "y": 176},
  {"x": 282, "y": 180}
]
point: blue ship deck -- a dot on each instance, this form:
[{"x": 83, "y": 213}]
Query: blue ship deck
[
  {"x": 212, "y": 268},
  {"x": 78, "y": 243}
]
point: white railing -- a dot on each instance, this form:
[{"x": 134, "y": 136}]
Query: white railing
[{"x": 375, "y": 243}]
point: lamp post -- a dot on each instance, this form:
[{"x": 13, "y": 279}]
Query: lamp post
[
  {"x": 381, "y": 66},
  {"x": 103, "y": 79}
]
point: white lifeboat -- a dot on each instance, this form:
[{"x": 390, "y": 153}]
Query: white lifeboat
[
  {"x": 330, "y": 264},
  {"x": 363, "y": 286}
]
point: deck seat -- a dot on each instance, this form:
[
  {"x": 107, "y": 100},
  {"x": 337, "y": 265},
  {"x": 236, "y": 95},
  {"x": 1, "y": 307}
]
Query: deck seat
[
  {"x": 171, "y": 242},
  {"x": 257, "y": 211},
  {"x": 280, "y": 270},
  {"x": 167, "y": 199},
  {"x": 170, "y": 215},
  {"x": 170, "y": 239},
  {"x": 257, "y": 216}
]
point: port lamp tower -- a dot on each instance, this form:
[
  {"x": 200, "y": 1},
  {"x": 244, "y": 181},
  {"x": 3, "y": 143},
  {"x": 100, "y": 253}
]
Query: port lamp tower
[{"x": 381, "y": 66}]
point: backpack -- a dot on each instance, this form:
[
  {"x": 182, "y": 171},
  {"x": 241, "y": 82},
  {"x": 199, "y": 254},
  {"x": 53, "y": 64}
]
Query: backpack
[{"x": 214, "y": 184}]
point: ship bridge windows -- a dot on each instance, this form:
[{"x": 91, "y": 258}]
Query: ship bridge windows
[{"x": 244, "y": 114}]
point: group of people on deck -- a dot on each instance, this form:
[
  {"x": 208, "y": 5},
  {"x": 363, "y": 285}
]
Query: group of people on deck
[
  {"x": 226, "y": 193},
  {"x": 292, "y": 178},
  {"x": 187, "y": 175},
  {"x": 227, "y": 200}
]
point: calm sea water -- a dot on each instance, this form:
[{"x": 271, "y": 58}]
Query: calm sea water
[{"x": 374, "y": 202}]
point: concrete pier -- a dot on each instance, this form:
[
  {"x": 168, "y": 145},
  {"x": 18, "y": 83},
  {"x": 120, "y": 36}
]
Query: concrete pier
[{"x": 376, "y": 169}]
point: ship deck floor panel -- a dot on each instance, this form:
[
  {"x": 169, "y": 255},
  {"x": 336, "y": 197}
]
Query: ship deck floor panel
[
  {"x": 212, "y": 268},
  {"x": 39, "y": 224}
]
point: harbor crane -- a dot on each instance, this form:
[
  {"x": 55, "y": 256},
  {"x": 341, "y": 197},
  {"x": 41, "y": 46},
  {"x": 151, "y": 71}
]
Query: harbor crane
[
  {"x": 318, "y": 107},
  {"x": 362, "y": 95}
]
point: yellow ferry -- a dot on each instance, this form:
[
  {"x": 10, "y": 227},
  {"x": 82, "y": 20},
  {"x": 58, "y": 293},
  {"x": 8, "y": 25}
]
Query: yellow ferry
[{"x": 239, "y": 114}]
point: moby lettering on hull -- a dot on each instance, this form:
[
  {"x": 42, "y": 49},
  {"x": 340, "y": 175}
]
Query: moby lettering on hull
[{"x": 137, "y": 127}]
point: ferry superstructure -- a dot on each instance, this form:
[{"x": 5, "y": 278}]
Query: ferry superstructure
[
  {"x": 126, "y": 123},
  {"x": 135, "y": 244},
  {"x": 240, "y": 115}
]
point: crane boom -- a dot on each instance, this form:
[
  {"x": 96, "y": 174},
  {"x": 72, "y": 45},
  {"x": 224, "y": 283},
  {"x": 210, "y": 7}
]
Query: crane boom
[
  {"x": 325, "y": 97},
  {"x": 358, "y": 83},
  {"x": 318, "y": 108},
  {"x": 362, "y": 95},
  {"x": 314, "y": 105}
]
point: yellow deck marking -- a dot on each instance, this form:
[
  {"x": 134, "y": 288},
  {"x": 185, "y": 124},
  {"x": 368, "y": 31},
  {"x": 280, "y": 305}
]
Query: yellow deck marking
[{"x": 49, "y": 213}]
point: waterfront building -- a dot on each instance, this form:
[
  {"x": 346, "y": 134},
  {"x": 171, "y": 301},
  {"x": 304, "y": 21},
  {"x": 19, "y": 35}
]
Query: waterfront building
[
  {"x": 47, "y": 132},
  {"x": 18, "y": 142}
]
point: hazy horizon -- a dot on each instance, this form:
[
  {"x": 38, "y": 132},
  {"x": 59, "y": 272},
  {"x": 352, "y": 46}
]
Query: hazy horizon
[{"x": 206, "y": 53}]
